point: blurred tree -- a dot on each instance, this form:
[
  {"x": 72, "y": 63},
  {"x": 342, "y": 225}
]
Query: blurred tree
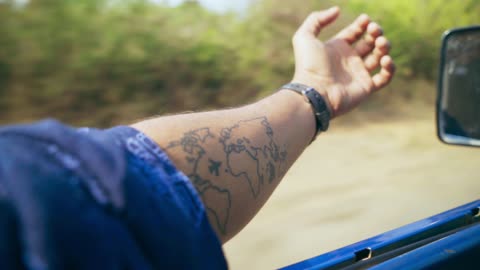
[
  {"x": 6, "y": 47},
  {"x": 416, "y": 27},
  {"x": 128, "y": 59}
]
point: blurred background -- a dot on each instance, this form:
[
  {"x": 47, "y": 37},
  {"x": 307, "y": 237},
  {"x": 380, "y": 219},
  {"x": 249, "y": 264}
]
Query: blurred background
[
  {"x": 129, "y": 59},
  {"x": 108, "y": 62}
]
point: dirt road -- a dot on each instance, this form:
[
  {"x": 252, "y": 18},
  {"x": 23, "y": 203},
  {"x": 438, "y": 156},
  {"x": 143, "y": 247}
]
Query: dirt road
[{"x": 353, "y": 183}]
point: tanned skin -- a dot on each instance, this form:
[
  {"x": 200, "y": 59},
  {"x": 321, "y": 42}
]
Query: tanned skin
[{"x": 236, "y": 157}]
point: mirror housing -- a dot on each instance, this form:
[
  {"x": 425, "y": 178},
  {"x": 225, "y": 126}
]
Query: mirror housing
[{"x": 458, "y": 98}]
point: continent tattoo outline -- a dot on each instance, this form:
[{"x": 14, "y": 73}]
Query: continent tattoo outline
[{"x": 262, "y": 154}]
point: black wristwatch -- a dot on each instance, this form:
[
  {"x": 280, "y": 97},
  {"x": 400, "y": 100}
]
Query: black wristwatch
[{"x": 320, "y": 108}]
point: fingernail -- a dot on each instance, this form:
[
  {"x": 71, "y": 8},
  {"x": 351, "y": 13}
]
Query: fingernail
[{"x": 363, "y": 16}]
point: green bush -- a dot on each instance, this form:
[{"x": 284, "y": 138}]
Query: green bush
[{"x": 99, "y": 62}]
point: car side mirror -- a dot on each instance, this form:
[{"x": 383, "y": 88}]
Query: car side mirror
[{"x": 458, "y": 102}]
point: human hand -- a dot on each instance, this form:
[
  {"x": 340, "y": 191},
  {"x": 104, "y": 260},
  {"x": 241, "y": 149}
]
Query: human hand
[{"x": 341, "y": 68}]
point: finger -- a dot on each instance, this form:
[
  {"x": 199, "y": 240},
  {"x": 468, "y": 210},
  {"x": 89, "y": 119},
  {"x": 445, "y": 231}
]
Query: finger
[
  {"x": 382, "y": 47},
  {"x": 354, "y": 31},
  {"x": 317, "y": 20},
  {"x": 367, "y": 44},
  {"x": 382, "y": 78}
]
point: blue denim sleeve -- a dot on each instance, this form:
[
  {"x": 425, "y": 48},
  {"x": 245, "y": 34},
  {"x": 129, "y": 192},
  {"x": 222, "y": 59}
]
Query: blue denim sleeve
[
  {"x": 97, "y": 199},
  {"x": 170, "y": 206}
]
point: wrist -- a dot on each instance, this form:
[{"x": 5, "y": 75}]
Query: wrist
[
  {"x": 321, "y": 86},
  {"x": 319, "y": 106},
  {"x": 295, "y": 110}
]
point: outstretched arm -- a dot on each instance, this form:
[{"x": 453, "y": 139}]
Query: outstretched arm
[{"x": 236, "y": 157}]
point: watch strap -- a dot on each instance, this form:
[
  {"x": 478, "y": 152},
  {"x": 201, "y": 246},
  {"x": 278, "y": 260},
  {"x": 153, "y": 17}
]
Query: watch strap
[{"x": 320, "y": 108}]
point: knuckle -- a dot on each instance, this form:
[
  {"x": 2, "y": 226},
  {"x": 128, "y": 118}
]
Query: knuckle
[{"x": 315, "y": 15}]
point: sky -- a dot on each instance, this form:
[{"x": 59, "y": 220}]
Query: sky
[{"x": 217, "y": 5}]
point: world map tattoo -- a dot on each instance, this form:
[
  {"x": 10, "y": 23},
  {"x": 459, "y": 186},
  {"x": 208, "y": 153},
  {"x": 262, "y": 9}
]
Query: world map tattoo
[
  {"x": 214, "y": 167},
  {"x": 193, "y": 145},
  {"x": 262, "y": 154},
  {"x": 256, "y": 161}
]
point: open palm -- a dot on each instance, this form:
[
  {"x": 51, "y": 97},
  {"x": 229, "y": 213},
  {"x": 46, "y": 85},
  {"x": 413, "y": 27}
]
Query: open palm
[{"x": 341, "y": 68}]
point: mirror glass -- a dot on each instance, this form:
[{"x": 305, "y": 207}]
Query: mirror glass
[{"x": 458, "y": 108}]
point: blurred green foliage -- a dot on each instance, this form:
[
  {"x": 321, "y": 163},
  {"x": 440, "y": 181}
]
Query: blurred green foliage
[
  {"x": 415, "y": 28},
  {"x": 99, "y": 62}
]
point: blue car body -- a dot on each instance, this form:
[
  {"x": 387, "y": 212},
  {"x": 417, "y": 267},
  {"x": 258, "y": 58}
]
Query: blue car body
[{"x": 450, "y": 239}]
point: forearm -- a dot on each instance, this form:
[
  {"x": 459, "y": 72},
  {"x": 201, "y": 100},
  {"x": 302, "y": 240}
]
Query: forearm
[{"x": 236, "y": 157}]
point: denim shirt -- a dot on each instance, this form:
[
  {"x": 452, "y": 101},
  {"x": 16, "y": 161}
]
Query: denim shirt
[{"x": 97, "y": 199}]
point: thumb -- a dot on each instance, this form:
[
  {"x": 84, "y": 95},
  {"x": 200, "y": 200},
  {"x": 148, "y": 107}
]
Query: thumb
[{"x": 317, "y": 20}]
